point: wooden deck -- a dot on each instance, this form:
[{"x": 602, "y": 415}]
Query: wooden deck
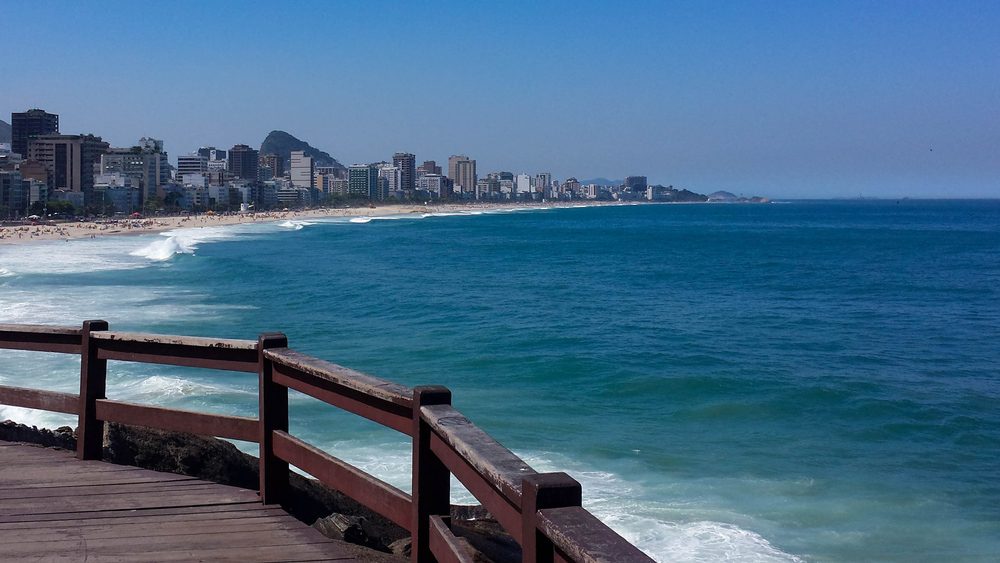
[{"x": 55, "y": 507}]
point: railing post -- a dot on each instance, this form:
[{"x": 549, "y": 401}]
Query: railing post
[
  {"x": 272, "y": 415},
  {"x": 431, "y": 479},
  {"x": 543, "y": 490},
  {"x": 93, "y": 386}
]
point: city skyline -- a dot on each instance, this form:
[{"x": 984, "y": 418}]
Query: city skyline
[{"x": 774, "y": 99}]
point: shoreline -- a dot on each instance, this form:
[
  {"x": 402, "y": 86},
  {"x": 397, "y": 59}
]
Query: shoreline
[{"x": 75, "y": 230}]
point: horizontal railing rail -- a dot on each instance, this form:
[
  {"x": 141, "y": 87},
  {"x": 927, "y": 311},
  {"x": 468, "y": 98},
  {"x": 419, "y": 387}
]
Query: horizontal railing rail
[{"x": 541, "y": 511}]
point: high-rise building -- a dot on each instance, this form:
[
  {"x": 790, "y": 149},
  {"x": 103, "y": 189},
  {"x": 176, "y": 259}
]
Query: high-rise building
[
  {"x": 69, "y": 160},
  {"x": 243, "y": 162},
  {"x": 636, "y": 183},
  {"x": 462, "y": 171},
  {"x": 428, "y": 167},
  {"x": 390, "y": 180},
  {"x": 407, "y": 165},
  {"x": 543, "y": 184},
  {"x": 194, "y": 163},
  {"x": 212, "y": 153},
  {"x": 28, "y": 124},
  {"x": 146, "y": 164},
  {"x": 275, "y": 162},
  {"x": 14, "y": 194},
  {"x": 435, "y": 184},
  {"x": 363, "y": 180},
  {"x": 302, "y": 169},
  {"x": 522, "y": 184}
]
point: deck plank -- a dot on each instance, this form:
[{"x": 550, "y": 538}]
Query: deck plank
[{"x": 55, "y": 507}]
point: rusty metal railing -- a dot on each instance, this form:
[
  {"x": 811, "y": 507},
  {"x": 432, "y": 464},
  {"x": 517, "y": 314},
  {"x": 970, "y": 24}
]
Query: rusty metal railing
[{"x": 541, "y": 511}]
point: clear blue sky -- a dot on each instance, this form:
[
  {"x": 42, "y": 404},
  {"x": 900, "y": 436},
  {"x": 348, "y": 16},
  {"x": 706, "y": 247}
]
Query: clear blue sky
[{"x": 786, "y": 99}]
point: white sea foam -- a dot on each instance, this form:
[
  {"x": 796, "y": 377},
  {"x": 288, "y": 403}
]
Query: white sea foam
[
  {"x": 361, "y": 219},
  {"x": 666, "y": 533},
  {"x": 295, "y": 225},
  {"x": 160, "y": 388},
  {"x": 183, "y": 241},
  {"x": 77, "y": 256}
]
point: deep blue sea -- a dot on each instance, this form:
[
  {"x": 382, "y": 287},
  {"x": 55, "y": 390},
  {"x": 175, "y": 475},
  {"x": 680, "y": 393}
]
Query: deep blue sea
[{"x": 814, "y": 381}]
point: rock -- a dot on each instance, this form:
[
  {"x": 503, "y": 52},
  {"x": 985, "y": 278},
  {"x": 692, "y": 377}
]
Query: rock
[
  {"x": 62, "y": 437},
  {"x": 470, "y": 512},
  {"x": 176, "y": 452},
  {"x": 343, "y": 527},
  {"x": 401, "y": 547},
  {"x": 487, "y": 540}
]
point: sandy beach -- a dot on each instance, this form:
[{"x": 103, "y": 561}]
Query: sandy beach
[{"x": 49, "y": 230}]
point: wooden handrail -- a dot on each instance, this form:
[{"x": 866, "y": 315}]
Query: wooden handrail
[
  {"x": 377, "y": 400},
  {"x": 541, "y": 511},
  {"x": 177, "y": 420},
  {"x": 36, "y": 399},
  {"x": 378, "y": 495},
  {"x": 40, "y": 338},
  {"x": 491, "y": 472},
  {"x": 577, "y": 535},
  {"x": 211, "y": 353}
]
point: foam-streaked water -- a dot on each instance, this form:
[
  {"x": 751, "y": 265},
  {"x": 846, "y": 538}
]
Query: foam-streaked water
[{"x": 814, "y": 381}]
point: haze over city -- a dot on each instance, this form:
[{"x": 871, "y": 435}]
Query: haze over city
[{"x": 781, "y": 99}]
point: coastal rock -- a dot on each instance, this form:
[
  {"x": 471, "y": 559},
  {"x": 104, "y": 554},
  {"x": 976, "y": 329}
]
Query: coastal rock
[
  {"x": 61, "y": 437},
  {"x": 403, "y": 547},
  {"x": 174, "y": 452},
  {"x": 345, "y": 528}
]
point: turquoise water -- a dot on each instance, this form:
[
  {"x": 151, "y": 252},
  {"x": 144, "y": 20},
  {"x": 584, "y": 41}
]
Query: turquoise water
[{"x": 810, "y": 380}]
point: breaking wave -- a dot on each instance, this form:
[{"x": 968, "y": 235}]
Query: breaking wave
[{"x": 182, "y": 241}]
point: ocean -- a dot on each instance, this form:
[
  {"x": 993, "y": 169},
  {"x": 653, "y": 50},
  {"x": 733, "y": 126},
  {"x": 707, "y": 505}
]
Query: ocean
[{"x": 799, "y": 381}]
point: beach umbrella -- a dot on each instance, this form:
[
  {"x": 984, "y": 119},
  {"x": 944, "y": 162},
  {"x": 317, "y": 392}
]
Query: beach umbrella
[
  {"x": 137, "y": 215},
  {"x": 34, "y": 217}
]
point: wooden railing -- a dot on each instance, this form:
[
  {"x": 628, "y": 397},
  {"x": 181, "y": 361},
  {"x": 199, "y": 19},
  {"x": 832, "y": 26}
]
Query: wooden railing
[{"x": 541, "y": 511}]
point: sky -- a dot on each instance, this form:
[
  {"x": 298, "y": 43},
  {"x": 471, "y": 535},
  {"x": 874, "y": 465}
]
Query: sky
[{"x": 781, "y": 99}]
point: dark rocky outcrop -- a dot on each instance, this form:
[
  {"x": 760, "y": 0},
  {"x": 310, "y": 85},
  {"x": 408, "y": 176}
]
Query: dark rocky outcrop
[
  {"x": 61, "y": 437},
  {"x": 336, "y": 515},
  {"x": 282, "y": 144}
]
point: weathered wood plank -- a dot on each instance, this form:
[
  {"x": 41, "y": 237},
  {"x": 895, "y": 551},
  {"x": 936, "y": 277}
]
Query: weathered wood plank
[
  {"x": 92, "y": 490},
  {"x": 582, "y": 537},
  {"x": 81, "y": 546},
  {"x": 40, "y": 338},
  {"x": 333, "y": 391},
  {"x": 52, "y": 401},
  {"x": 92, "y": 480},
  {"x": 190, "y": 351},
  {"x": 122, "y": 501},
  {"x": 493, "y": 461},
  {"x": 238, "y": 507},
  {"x": 143, "y": 529},
  {"x": 445, "y": 546},
  {"x": 283, "y": 553},
  {"x": 506, "y": 513},
  {"x": 225, "y": 426},
  {"x": 344, "y": 377},
  {"x": 135, "y": 516},
  {"x": 378, "y": 495}
]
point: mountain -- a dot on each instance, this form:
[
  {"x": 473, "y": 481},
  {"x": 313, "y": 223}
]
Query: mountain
[
  {"x": 4, "y": 132},
  {"x": 602, "y": 182},
  {"x": 282, "y": 144}
]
